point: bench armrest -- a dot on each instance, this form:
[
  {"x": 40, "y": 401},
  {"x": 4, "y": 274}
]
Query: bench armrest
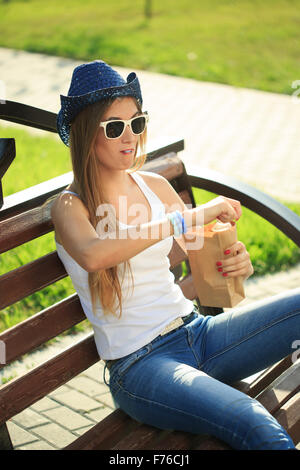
[
  {"x": 262, "y": 204},
  {"x": 7, "y": 155},
  {"x": 28, "y": 116}
]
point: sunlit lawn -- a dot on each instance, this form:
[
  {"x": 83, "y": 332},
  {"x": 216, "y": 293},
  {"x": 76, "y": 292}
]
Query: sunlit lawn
[{"x": 249, "y": 43}]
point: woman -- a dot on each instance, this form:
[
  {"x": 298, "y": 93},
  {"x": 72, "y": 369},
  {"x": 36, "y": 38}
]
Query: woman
[{"x": 170, "y": 367}]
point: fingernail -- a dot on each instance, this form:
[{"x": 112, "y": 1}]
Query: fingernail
[
  {"x": 220, "y": 269},
  {"x": 224, "y": 274},
  {"x": 227, "y": 252},
  {"x": 219, "y": 263}
]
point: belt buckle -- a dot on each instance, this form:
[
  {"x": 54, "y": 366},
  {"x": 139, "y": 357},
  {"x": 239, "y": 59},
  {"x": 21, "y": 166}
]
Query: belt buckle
[{"x": 171, "y": 326}]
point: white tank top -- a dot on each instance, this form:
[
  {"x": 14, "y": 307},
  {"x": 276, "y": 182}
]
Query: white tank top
[{"x": 155, "y": 301}]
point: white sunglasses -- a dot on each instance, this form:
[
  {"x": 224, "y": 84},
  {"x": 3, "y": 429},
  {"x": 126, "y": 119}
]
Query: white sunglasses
[{"x": 116, "y": 128}]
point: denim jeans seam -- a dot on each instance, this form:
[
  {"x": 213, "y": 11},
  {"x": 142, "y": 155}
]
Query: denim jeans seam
[
  {"x": 152, "y": 402},
  {"x": 190, "y": 341},
  {"x": 232, "y": 346}
]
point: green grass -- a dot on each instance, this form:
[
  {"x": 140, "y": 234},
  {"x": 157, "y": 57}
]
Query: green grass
[
  {"x": 270, "y": 250},
  {"x": 249, "y": 43}
]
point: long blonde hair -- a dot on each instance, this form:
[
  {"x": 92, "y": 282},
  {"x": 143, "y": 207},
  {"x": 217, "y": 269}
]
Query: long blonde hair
[{"x": 104, "y": 284}]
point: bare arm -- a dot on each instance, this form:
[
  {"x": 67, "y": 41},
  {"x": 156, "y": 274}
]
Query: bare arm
[
  {"x": 92, "y": 253},
  {"x": 82, "y": 242}
]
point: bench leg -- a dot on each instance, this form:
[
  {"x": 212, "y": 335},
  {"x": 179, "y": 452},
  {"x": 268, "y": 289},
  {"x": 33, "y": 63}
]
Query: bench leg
[{"x": 5, "y": 441}]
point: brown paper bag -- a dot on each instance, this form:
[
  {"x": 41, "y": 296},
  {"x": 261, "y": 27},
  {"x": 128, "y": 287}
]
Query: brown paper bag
[{"x": 213, "y": 289}]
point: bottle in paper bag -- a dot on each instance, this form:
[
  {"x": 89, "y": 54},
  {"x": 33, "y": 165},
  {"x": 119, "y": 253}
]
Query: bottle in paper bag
[{"x": 213, "y": 289}]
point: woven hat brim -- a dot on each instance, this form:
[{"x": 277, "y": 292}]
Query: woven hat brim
[{"x": 72, "y": 105}]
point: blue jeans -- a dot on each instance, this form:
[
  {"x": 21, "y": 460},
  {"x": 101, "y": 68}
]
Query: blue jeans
[{"x": 181, "y": 381}]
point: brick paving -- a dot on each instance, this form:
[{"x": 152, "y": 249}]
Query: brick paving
[{"x": 249, "y": 134}]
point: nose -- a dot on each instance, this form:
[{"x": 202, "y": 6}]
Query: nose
[{"x": 128, "y": 134}]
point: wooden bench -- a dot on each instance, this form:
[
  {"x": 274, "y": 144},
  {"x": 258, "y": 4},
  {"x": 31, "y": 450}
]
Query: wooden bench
[{"x": 22, "y": 219}]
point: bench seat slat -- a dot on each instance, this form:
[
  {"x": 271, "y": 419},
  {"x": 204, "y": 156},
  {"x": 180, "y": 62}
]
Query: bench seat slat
[
  {"x": 139, "y": 438},
  {"x": 22, "y": 392},
  {"x": 106, "y": 433},
  {"x": 174, "y": 440},
  {"x": 288, "y": 417},
  {"x": 211, "y": 443},
  {"x": 281, "y": 390},
  {"x": 36, "y": 330},
  {"x": 268, "y": 376}
]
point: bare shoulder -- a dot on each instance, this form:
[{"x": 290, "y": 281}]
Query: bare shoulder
[
  {"x": 154, "y": 180},
  {"x": 66, "y": 205},
  {"x": 162, "y": 188}
]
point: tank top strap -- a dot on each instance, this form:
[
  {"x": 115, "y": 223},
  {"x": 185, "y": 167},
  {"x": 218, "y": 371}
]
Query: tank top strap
[
  {"x": 156, "y": 204},
  {"x": 70, "y": 192}
]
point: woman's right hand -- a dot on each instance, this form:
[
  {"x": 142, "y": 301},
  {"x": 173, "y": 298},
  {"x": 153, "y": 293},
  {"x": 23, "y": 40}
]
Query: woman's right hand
[
  {"x": 228, "y": 209},
  {"x": 222, "y": 208}
]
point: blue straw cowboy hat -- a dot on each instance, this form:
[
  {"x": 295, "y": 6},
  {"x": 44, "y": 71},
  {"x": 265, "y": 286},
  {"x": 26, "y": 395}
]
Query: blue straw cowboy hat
[{"x": 92, "y": 82}]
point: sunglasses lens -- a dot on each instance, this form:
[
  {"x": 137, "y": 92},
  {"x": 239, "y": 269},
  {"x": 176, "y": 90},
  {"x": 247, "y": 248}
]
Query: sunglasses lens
[
  {"x": 114, "y": 129},
  {"x": 138, "y": 125}
]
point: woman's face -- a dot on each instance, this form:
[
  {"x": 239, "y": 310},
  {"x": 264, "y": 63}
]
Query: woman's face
[{"x": 118, "y": 154}]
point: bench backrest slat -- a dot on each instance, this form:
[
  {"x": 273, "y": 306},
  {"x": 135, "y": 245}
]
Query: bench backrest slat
[
  {"x": 32, "y": 277},
  {"x": 39, "y": 328},
  {"x": 17, "y": 284},
  {"x": 188, "y": 287},
  {"x": 24, "y": 227}
]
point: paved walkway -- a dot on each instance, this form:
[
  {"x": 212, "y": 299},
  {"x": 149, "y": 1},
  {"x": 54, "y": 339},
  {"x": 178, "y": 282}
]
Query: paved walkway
[{"x": 249, "y": 134}]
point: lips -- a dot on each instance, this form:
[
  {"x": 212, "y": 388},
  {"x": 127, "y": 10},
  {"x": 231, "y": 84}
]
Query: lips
[{"x": 127, "y": 151}]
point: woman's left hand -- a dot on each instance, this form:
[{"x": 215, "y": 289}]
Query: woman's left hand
[{"x": 237, "y": 262}]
